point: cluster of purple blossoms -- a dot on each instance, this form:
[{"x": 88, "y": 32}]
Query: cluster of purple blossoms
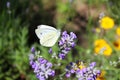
[
  {"x": 42, "y": 68},
  {"x": 66, "y": 43},
  {"x": 86, "y": 73},
  {"x": 8, "y": 4}
]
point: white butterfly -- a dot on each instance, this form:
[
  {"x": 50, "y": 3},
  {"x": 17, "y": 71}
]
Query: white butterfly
[{"x": 48, "y": 35}]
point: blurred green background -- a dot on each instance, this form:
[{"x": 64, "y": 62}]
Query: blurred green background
[{"x": 19, "y": 19}]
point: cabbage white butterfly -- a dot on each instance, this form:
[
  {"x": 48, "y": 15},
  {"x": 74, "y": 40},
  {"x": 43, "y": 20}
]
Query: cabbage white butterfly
[{"x": 48, "y": 35}]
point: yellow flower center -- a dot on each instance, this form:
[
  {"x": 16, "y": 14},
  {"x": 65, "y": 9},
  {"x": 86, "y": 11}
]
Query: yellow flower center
[{"x": 117, "y": 44}]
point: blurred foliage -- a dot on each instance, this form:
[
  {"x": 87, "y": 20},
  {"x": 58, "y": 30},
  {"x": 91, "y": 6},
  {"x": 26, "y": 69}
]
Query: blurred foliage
[
  {"x": 113, "y": 9},
  {"x": 64, "y": 13},
  {"x": 13, "y": 47}
]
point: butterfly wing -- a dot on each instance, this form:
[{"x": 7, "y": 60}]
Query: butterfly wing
[
  {"x": 46, "y": 27},
  {"x": 47, "y": 35}
]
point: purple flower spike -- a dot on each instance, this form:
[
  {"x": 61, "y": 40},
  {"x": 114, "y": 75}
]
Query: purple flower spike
[
  {"x": 66, "y": 43},
  {"x": 42, "y": 67},
  {"x": 8, "y": 4},
  {"x": 50, "y": 50},
  {"x": 33, "y": 50}
]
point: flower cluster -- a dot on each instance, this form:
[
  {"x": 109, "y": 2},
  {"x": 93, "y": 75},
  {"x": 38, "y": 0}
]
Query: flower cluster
[
  {"x": 66, "y": 43},
  {"x": 82, "y": 72},
  {"x": 42, "y": 68},
  {"x": 101, "y": 46},
  {"x": 107, "y": 23}
]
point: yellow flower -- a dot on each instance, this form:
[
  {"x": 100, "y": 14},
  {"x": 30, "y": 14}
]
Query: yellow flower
[
  {"x": 101, "y": 46},
  {"x": 107, "y": 23},
  {"x": 101, "y": 76},
  {"x": 118, "y": 31},
  {"x": 117, "y": 44}
]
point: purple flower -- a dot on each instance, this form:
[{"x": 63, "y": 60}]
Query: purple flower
[
  {"x": 68, "y": 74},
  {"x": 50, "y": 50},
  {"x": 49, "y": 65},
  {"x": 31, "y": 56},
  {"x": 69, "y": 69},
  {"x": 72, "y": 71},
  {"x": 42, "y": 60},
  {"x": 87, "y": 73},
  {"x": 33, "y": 50},
  {"x": 92, "y": 65},
  {"x": 84, "y": 70},
  {"x": 42, "y": 67},
  {"x": 61, "y": 56},
  {"x": 66, "y": 43},
  {"x": 8, "y": 4},
  {"x": 73, "y": 36},
  {"x": 52, "y": 73}
]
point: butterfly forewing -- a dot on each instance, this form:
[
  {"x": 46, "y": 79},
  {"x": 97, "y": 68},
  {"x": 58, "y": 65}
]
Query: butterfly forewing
[{"x": 46, "y": 27}]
